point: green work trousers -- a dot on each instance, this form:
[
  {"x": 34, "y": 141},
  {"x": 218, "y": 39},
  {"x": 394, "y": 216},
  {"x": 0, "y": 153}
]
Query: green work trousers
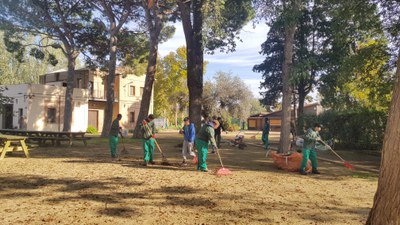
[
  {"x": 202, "y": 151},
  {"x": 265, "y": 140},
  {"x": 309, "y": 154},
  {"x": 148, "y": 149},
  {"x": 218, "y": 139},
  {"x": 113, "y": 142}
]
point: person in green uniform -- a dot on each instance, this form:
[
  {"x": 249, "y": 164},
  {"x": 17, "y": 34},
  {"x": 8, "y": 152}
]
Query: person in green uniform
[
  {"x": 148, "y": 132},
  {"x": 205, "y": 135},
  {"x": 113, "y": 136},
  {"x": 310, "y": 139},
  {"x": 265, "y": 134}
]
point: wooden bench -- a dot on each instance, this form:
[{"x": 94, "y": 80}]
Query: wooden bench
[
  {"x": 42, "y": 136},
  {"x": 10, "y": 143}
]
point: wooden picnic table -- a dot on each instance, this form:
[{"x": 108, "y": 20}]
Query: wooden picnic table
[
  {"x": 42, "y": 136},
  {"x": 8, "y": 140}
]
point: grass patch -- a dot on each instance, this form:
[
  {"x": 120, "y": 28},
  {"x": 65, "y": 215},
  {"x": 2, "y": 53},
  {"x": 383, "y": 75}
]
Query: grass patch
[{"x": 366, "y": 175}]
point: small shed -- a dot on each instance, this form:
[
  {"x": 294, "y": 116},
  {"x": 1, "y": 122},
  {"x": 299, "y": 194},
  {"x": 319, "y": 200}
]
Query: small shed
[{"x": 257, "y": 121}]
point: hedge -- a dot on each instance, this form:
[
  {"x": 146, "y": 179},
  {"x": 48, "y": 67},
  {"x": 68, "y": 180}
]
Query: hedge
[{"x": 362, "y": 129}]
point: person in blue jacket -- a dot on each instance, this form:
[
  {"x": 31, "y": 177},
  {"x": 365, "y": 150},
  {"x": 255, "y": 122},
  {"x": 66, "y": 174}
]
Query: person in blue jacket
[{"x": 189, "y": 133}]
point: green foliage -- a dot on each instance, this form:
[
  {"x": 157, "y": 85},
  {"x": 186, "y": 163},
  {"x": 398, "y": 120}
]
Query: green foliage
[
  {"x": 363, "y": 129},
  {"x": 27, "y": 68},
  {"x": 170, "y": 89},
  {"x": 227, "y": 95},
  {"x": 223, "y": 21},
  {"x": 256, "y": 106},
  {"x": 306, "y": 58},
  {"x": 362, "y": 80},
  {"x": 91, "y": 130}
]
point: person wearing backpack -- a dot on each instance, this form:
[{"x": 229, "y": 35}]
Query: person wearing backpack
[{"x": 148, "y": 142}]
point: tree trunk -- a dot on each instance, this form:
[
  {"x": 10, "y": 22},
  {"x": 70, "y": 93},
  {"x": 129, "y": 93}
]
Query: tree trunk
[
  {"x": 154, "y": 25},
  {"x": 300, "y": 113},
  {"x": 386, "y": 208},
  {"x": 108, "y": 113},
  {"x": 69, "y": 91},
  {"x": 284, "y": 142},
  {"x": 194, "y": 52}
]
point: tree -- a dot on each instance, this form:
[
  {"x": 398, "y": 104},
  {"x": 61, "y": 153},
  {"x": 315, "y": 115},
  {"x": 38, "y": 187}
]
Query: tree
[
  {"x": 256, "y": 107},
  {"x": 62, "y": 21},
  {"x": 156, "y": 14},
  {"x": 286, "y": 12},
  {"x": 170, "y": 91},
  {"x": 28, "y": 68},
  {"x": 385, "y": 209},
  {"x": 117, "y": 14},
  {"x": 227, "y": 96},
  {"x": 208, "y": 24},
  {"x": 356, "y": 60}
]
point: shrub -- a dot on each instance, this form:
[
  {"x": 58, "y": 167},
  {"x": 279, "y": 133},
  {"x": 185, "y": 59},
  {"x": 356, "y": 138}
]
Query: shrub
[
  {"x": 362, "y": 129},
  {"x": 91, "y": 130}
]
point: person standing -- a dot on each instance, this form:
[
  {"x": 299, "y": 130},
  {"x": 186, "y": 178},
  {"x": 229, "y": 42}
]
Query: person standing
[
  {"x": 204, "y": 136},
  {"x": 113, "y": 136},
  {"x": 148, "y": 142},
  {"x": 217, "y": 132},
  {"x": 310, "y": 139},
  {"x": 265, "y": 134},
  {"x": 189, "y": 133}
]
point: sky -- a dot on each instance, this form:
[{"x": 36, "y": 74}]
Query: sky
[{"x": 239, "y": 63}]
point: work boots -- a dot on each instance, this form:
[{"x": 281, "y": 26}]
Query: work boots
[{"x": 315, "y": 171}]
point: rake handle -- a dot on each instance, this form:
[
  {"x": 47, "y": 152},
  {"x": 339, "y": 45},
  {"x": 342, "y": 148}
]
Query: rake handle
[
  {"x": 219, "y": 157},
  {"x": 159, "y": 148},
  {"x": 334, "y": 152}
]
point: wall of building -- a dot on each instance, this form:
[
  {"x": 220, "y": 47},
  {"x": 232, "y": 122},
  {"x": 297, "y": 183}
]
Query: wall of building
[
  {"x": 129, "y": 100},
  {"x": 35, "y": 100},
  {"x": 20, "y": 100}
]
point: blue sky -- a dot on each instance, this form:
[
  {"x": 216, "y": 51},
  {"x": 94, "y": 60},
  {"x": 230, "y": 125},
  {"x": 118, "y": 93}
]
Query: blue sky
[{"x": 239, "y": 63}]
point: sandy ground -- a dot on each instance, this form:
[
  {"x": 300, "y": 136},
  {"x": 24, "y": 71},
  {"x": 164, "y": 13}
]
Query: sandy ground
[{"x": 81, "y": 185}]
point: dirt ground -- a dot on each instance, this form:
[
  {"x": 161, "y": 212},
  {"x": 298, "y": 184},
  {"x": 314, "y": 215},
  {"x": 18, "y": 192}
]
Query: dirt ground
[{"x": 81, "y": 185}]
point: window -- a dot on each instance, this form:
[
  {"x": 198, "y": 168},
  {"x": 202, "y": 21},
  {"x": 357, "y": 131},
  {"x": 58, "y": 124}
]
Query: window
[
  {"x": 132, "y": 117},
  {"x": 141, "y": 91},
  {"x": 79, "y": 83},
  {"x": 51, "y": 115},
  {"x": 132, "y": 91}
]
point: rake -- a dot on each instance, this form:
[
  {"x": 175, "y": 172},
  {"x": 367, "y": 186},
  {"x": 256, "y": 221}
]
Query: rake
[
  {"x": 345, "y": 163},
  {"x": 164, "y": 159},
  {"x": 254, "y": 136},
  {"x": 123, "y": 151},
  {"x": 223, "y": 171}
]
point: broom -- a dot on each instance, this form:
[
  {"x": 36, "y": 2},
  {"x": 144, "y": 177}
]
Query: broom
[
  {"x": 223, "y": 171},
  {"x": 345, "y": 163}
]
